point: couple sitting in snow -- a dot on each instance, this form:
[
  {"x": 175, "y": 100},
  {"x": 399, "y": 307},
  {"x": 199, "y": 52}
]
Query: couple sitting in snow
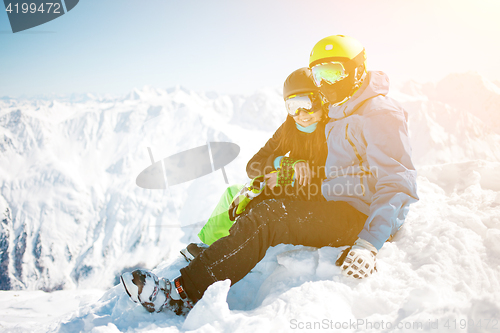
[{"x": 348, "y": 180}]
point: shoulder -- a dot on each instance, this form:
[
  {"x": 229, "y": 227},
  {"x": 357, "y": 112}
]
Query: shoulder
[{"x": 383, "y": 106}]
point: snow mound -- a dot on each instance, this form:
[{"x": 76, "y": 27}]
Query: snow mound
[{"x": 442, "y": 267}]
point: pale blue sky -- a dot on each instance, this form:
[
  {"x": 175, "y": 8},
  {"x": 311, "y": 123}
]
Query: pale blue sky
[{"x": 112, "y": 46}]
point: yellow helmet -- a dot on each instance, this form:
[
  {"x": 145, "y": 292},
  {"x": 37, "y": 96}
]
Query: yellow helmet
[
  {"x": 338, "y": 64},
  {"x": 338, "y": 48}
]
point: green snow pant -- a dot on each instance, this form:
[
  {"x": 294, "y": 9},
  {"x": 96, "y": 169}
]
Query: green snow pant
[{"x": 218, "y": 224}]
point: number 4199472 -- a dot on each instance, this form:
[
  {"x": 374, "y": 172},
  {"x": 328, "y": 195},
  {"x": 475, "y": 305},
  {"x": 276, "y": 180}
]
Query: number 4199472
[
  {"x": 47, "y": 7},
  {"x": 491, "y": 324}
]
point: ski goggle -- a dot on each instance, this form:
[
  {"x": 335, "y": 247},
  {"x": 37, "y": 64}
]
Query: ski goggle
[
  {"x": 309, "y": 103},
  {"x": 330, "y": 72}
]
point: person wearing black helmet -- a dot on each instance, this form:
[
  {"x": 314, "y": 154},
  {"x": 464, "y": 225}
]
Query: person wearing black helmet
[
  {"x": 290, "y": 165},
  {"x": 301, "y": 138}
]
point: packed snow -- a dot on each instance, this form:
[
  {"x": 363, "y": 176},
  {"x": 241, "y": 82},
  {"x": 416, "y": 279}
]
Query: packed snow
[{"x": 73, "y": 219}]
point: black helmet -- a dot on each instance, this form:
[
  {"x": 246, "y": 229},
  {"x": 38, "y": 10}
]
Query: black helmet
[{"x": 299, "y": 82}]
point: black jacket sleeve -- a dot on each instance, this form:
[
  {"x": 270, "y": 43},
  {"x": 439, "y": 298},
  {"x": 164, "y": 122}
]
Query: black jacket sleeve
[{"x": 263, "y": 162}]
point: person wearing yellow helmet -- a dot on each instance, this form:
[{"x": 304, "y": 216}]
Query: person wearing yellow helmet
[{"x": 368, "y": 147}]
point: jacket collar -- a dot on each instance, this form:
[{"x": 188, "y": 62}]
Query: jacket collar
[{"x": 376, "y": 83}]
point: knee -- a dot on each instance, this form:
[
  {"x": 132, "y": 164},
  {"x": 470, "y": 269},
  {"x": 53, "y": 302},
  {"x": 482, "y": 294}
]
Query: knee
[
  {"x": 266, "y": 220},
  {"x": 261, "y": 211},
  {"x": 268, "y": 208}
]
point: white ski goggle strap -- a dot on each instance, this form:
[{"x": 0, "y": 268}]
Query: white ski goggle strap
[
  {"x": 295, "y": 103},
  {"x": 330, "y": 72}
]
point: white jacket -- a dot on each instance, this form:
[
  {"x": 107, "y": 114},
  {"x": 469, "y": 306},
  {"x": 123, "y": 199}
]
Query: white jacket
[{"x": 369, "y": 159}]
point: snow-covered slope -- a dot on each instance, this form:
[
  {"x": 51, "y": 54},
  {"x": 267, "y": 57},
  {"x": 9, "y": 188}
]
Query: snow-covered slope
[
  {"x": 473, "y": 93},
  {"x": 442, "y": 269},
  {"x": 443, "y": 130},
  {"x": 72, "y": 217}
]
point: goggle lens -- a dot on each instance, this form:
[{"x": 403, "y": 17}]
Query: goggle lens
[
  {"x": 307, "y": 103},
  {"x": 330, "y": 72}
]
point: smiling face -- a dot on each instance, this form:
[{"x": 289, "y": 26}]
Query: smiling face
[{"x": 305, "y": 119}]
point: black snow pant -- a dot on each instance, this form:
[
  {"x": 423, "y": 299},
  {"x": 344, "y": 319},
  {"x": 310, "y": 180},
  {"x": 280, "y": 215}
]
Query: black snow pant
[{"x": 269, "y": 223}]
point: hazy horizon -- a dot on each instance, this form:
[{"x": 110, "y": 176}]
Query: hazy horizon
[{"x": 228, "y": 47}]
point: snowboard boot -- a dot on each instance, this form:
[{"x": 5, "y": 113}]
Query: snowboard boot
[
  {"x": 193, "y": 250},
  {"x": 156, "y": 294}
]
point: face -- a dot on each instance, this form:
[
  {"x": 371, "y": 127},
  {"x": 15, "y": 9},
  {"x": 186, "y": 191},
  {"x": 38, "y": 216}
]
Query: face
[{"x": 305, "y": 119}]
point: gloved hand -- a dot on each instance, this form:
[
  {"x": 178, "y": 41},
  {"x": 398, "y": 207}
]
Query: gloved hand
[{"x": 358, "y": 260}]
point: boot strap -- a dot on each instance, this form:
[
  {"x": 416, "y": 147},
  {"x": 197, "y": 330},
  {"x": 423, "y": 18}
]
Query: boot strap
[{"x": 180, "y": 290}]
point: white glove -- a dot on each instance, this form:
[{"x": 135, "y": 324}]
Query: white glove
[{"x": 359, "y": 260}]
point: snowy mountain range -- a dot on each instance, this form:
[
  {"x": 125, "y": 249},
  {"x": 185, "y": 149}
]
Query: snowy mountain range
[{"x": 72, "y": 216}]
